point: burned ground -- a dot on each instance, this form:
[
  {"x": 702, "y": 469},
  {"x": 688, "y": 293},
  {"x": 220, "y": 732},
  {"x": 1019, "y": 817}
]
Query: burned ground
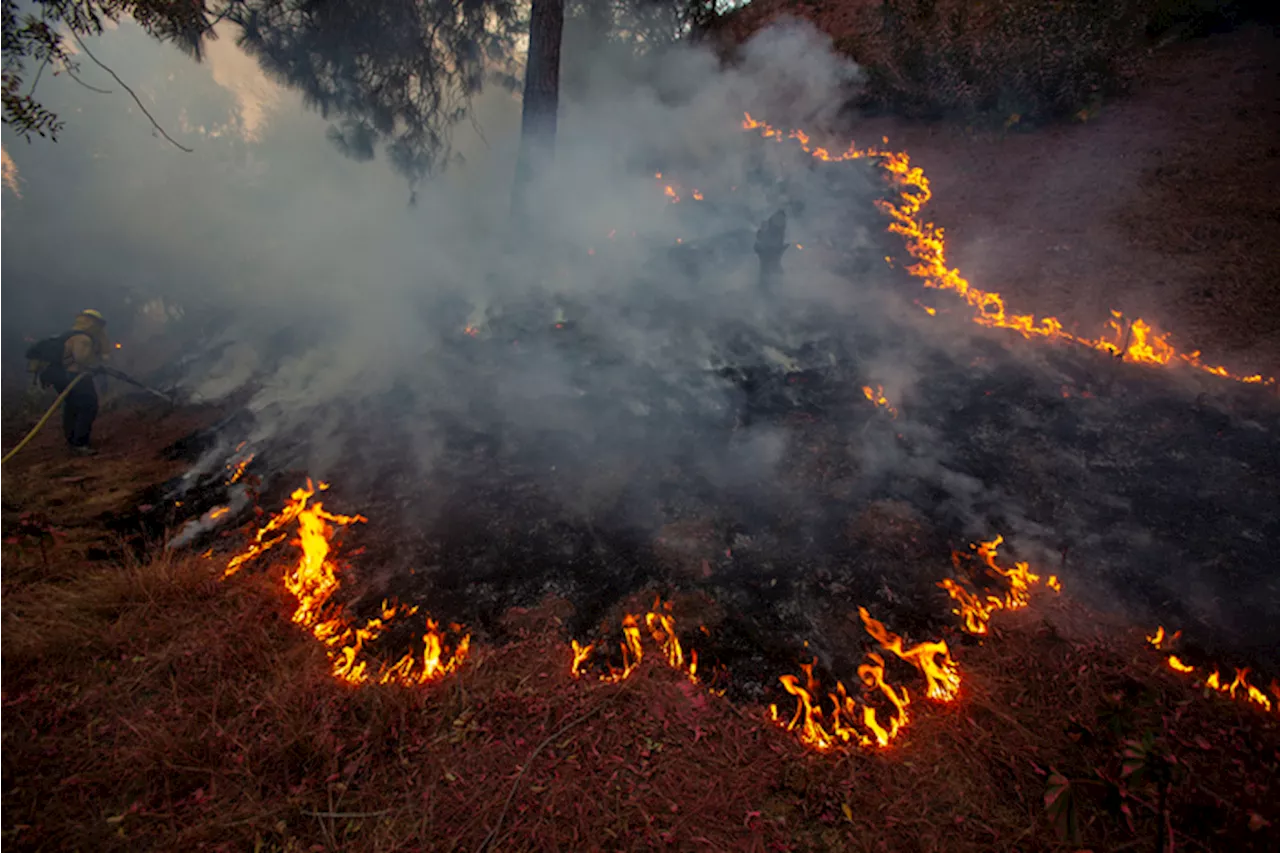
[{"x": 1144, "y": 492}]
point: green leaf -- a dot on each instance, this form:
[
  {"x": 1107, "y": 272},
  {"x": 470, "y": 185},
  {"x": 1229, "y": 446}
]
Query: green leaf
[
  {"x": 1060, "y": 806},
  {"x": 1133, "y": 763}
]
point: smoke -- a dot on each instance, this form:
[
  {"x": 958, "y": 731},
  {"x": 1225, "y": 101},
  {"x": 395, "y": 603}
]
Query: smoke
[{"x": 403, "y": 349}]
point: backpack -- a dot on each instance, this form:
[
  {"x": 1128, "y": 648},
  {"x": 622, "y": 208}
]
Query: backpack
[{"x": 49, "y": 352}]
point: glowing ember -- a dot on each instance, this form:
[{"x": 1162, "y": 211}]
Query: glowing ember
[
  {"x": 877, "y": 397},
  {"x": 313, "y": 582},
  {"x": 926, "y": 245}
]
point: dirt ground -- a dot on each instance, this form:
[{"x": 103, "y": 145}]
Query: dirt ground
[{"x": 1162, "y": 205}]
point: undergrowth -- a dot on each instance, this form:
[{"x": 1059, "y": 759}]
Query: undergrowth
[{"x": 1002, "y": 61}]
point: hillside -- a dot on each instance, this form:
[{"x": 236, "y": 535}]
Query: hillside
[{"x": 1156, "y": 202}]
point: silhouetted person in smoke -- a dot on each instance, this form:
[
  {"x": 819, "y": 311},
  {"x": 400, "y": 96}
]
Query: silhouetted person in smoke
[
  {"x": 82, "y": 349},
  {"x": 771, "y": 242}
]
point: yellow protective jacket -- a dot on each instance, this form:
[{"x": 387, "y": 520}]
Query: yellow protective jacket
[{"x": 84, "y": 352}]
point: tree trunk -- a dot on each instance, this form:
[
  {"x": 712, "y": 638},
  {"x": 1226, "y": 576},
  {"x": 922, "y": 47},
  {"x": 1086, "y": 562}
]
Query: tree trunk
[{"x": 541, "y": 99}]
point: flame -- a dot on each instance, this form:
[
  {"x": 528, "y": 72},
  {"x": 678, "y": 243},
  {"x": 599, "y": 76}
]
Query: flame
[
  {"x": 808, "y": 717},
  {"x": 877, "y": 397},
  {"x": 975, "y": 610},
  {"x": 1158, "y": 638},
  {"x": 926, "y": 244},
  {"x": 697, "y": 195},
  {"x": 313, "y": 582},
  {"x": 661, "y": 626},
  {"x": 237, "y": 470},
  {"x": 809, "y": 720},
  {"x": 932, "y": 659},
  {"x": 219, "y": 511},
  {"x": 1239, "y": 689}
]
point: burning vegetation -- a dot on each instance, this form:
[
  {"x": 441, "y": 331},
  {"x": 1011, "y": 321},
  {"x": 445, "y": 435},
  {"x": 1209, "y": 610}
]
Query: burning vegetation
[
  {"x": 315, "y": 579},
  {"x": 476, "y": 741},
  {"x": 1134, "y": 341},
  {"x": 364, "y": 651}
]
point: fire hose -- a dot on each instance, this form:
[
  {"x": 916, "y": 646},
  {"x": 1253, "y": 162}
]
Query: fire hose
[
  {"x": 35, "y": 429},
  {"x": 106, "y": 371}
]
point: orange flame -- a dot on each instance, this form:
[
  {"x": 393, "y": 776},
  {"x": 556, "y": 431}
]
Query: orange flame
[
  {"x": 1239, "y": 689},
  {"x": 1176, "y": 663},
  {"x": 975, "y": 610},
  {"x": 313, "y": 582},
  {"x": 237, "y": 470},
  {"x": 926, "y": 245},
  {"x": 808, "y": 717},
  {"x": 662, "y": 629},
  {"x": 809, "y": 720},
  {"x": 877, "y": 397},
  {"x": 932, "y": 659}
]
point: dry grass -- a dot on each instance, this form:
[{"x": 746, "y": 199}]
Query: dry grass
[
  {"x": 149, "y": 705},
  {"x": 153, "y": 707}
]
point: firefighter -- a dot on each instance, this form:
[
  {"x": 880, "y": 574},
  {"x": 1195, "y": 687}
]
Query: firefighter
[{"x": 84, "y": 347}]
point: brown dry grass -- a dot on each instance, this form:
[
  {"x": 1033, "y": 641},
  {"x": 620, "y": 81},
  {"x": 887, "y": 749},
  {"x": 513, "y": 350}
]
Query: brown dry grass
[{"x": 151, "y": 706}]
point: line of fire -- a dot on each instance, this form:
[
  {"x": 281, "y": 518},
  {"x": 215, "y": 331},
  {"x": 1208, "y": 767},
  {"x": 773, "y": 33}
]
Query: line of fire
[{"x": 863, "y": 695}]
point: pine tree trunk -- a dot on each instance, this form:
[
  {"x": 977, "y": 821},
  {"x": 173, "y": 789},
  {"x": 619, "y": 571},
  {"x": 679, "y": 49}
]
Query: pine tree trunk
[{"x": 541, "y": 98}]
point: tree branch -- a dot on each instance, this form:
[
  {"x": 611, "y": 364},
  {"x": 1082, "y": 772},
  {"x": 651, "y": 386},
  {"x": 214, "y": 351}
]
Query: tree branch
[
  {"x": 73, "y": 76},
  {"x": 132, "y": 94}
]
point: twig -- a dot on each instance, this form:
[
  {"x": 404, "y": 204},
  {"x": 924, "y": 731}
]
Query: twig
[
  {"x": 347, "y": 815},
  {"x": 73, "y": 76},
  {"x": 132, "y": 94},
  {"x": 515, "y": 785},
  {"x": 39, "y": 73}
]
